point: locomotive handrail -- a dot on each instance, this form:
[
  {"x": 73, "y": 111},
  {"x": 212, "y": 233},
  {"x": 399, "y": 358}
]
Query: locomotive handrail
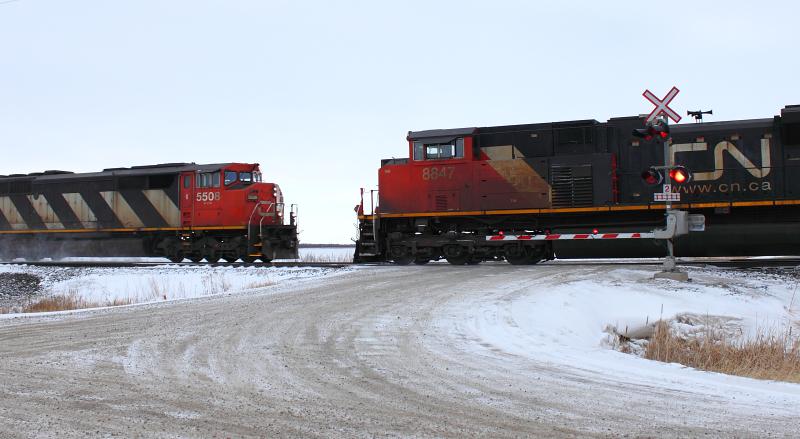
[
  {"x": 372, "y": 193},
  {"x": 250, "y": 220},
  {"x": 293, "y": 212}
]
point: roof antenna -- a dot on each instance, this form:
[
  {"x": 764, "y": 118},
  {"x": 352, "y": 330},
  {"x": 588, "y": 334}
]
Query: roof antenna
[{"x": 698, "y": 115}]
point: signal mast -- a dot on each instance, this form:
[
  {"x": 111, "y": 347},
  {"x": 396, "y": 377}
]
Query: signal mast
[{"x": 658, "y": 129}]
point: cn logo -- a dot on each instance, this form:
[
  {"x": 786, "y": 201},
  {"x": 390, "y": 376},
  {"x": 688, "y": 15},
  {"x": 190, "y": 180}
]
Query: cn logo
[{"x": 719, "y": 160}]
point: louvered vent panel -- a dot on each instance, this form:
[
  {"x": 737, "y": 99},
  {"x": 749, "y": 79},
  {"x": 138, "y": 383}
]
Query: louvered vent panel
[
  {"x": 441, "y": 202},
  {"x": 569, "y": 189}
]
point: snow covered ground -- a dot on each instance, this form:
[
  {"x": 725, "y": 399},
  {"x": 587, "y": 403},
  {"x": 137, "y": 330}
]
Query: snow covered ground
[
  {"x": 566, "y": 321},
  {"x": 525, "y": 351},
  {"x": 327, "y": 254},
  {"x": 103, "y": 286},
  {"x": 560, "y": 319}
]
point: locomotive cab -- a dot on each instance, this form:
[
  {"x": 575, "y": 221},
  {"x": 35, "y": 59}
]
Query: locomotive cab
[
  {"x": 233, "y": 196},
  {"x": 433, "y": 176}
]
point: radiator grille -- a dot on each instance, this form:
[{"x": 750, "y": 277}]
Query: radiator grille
[
  {"x": 441, "y": 202},
  {"x": 571, "y": 186}
]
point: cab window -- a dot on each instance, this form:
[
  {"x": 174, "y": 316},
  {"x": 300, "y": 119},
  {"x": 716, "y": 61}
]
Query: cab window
[
  {"x": 230, "y": 177},
  {"x": 439, "y": 151},
  {"x": 246, "y": 177},
  {"x": 208, "y": 179},
  {"x": 419, "y": 151}
]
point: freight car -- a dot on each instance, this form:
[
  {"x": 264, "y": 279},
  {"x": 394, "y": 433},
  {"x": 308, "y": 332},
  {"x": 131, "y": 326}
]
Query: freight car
[
  {"x": 462, "y": 189},
  {"x": 174, "y": 210}
]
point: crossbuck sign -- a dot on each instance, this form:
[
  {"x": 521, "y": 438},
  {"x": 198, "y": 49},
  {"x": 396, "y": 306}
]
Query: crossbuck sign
[{"x": 662, "y": 105}]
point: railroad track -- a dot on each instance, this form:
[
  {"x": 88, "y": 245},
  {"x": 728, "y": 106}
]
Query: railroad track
[
  {"x": 742, "y": 263},
  {"x": 693, "y": 262},
  {"x": 133, "y": 264}
]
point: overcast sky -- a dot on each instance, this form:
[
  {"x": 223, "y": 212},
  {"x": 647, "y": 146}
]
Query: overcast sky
[{"x": 319, "y": 92}]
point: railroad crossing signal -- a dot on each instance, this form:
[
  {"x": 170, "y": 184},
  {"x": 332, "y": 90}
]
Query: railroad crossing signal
[
  {"x": 657, "y": 129},
  {"x": 652, "y": 177},
  {"x": 680, "y": 175},
  {"x": 655, "y": 175},
  {"x": 662, "y": 105}
]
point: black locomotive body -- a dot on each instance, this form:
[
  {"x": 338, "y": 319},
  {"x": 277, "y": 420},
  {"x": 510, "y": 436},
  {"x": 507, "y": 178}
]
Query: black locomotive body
[{"x": 585, "y": 177}]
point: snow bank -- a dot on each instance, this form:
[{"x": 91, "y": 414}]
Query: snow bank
[
  {"x": 562, "y": 320},
  {"x": 102, "y": 285}
]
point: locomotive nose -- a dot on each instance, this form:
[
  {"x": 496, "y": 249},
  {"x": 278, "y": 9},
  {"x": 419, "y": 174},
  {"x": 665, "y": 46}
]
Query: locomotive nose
[{"x": 270, "y": 196}]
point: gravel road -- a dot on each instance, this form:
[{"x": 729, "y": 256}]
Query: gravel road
[{"x": 358, "y": 355}]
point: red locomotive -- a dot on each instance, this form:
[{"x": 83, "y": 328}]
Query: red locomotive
[
  {"x": 174, "y": 210},
  {"x": 461, "y": 189}
]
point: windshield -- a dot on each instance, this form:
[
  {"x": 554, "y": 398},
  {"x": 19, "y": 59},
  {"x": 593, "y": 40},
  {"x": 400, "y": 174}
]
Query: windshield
[{"x": 230, "y": 177}]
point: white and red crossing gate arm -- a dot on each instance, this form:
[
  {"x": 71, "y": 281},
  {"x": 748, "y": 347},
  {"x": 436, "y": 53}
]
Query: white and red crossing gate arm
[{"x": 570, "y": 236}]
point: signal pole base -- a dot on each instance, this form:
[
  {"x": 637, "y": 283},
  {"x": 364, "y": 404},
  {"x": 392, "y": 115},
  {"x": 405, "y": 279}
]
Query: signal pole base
[
  {"x": 670, "y": 267},
  {"x": 680, "y": 276},
  {"x": 670, "y": 271}
]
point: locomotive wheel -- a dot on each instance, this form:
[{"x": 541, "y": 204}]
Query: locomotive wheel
[
  {"x": 212, "y": 259},
  {"x": 421, "y": 261},
  {"x": 178, "y": 258},
  {"x": 403, "y": 260},
  {"x": 265, "y": 260},
  {"x": 516, "y": 259},
  {"x": 457, "y": 260},
  {"x": 247, "y": 259},
  {"x": 523, "y": 259},
  {"x": 533, "y": 260},
  {"x": 474, "y": 260},
  {"x": 230, "y": 260},
  {"x": 195, "y": 258}
]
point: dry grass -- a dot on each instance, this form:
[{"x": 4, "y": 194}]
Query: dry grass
[
  {"x": 216, "y": 283},
  {"x": 259, "y": 284},
  {"x": 767, "y": 356},
  {"x": 68, "y": 302},
  {"x": 330, "y": 257},
  {"x": 157, "y": 288}
]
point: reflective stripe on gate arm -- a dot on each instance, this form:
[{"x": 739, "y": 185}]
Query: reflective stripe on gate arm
[{"x": 566, "y": 236}]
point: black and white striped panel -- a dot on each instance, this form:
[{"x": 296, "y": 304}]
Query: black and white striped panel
[{"x": 155, "y": 208}]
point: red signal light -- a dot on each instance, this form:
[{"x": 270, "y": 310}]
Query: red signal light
[
  {"x": 595, "y": 231},
  {"x": 656, "y": 129},
  {"x": 644, "y": 133},
  {"x": 652, "y": 177},
  {"x": 679, "y": 174}
]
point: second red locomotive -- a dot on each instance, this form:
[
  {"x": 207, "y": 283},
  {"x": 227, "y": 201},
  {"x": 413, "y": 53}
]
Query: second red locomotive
[{"x": 175, "y": 210}]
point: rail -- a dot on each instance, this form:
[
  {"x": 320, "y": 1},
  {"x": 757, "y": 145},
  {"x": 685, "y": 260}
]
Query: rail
[{"x": 738, "y": 263}]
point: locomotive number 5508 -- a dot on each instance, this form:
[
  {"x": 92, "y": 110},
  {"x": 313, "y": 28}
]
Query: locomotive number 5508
[{"x": 208, "y": 196}]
